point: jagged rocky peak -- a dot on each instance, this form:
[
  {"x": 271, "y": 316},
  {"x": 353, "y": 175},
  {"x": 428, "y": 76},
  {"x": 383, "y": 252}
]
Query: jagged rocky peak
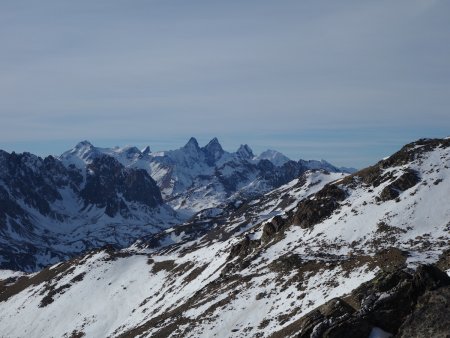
[
  {"x": 214, "y": 147},
  {"x": 146, "y": 150},
  {"x": 213, "y": 151},
  {"x": 245, "y": 152},
  {"x": 192, "y": 144}
]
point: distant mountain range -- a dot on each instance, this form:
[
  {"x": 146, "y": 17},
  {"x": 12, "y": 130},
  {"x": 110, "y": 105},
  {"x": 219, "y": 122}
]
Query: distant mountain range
[
  {"x": 54, "y": 208},
  {"x": 193, "y": 178}
]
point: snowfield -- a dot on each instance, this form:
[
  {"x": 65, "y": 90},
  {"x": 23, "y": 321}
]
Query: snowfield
[{"x": 254, "y": 270}]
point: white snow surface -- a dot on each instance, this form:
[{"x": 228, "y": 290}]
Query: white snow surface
[
  {"x": 148, "y": 289},
  {"x": 273, "y": 156}
]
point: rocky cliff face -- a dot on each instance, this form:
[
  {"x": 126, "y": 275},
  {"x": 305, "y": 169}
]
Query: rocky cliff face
[
  {"x": 269, "y": 266},
  {"x": 49, "y": 211},
  {"x": 108, "y": 185}
]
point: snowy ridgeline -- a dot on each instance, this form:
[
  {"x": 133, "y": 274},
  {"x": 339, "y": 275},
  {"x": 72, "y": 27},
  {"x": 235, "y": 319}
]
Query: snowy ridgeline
[
  {"x": 261, "y": 266},
  {"x": 193, "y": 178},
  {"x": 56, "y": 208}
]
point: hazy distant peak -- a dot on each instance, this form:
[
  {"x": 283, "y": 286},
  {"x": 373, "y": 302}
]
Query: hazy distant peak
[
  {"x": 146, "y": 150},
  {"x": 214, "y": 146},
  {"x": 245, "y": 151},
  {"x": 191, "y": 144},
  {"x": 83, "y": 144},
  {"x": 274, "y": 156}
]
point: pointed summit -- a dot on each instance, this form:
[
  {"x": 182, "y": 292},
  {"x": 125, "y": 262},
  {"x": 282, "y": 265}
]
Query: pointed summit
[
  {"x": 213, "y": 151},
  {"x": 245, "y": 152},
  {"x": 214, "y": 146},
  {"x": 146, "y": 150},
  {"x": 81, "y": 154},
  {"x": 192, "y": 144}
]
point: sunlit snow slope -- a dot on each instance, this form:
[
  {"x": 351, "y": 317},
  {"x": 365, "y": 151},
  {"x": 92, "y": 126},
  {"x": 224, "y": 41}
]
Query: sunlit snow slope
[{"x": 258, "y": 267}]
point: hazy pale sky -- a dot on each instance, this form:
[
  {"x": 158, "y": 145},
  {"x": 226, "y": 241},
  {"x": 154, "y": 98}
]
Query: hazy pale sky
[{"x": 347, "y": 81}]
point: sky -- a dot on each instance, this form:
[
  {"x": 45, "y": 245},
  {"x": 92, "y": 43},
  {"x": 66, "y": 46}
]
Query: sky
[{"x": 346, "y": 81}]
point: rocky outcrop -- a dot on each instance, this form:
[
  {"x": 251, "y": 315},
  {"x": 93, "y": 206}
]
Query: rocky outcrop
[
  {"x": 320, "y": 206},
  {"x": 107, "y": 181},
  {"x": 431, "y": 316},
  {"x": 407, "y": 180},
  {"x": 398, "y": 303},
  {"x": 271, "y": 228},
  {"x": 243, "y": 248}
]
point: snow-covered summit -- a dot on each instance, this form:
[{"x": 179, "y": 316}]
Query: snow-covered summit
[{"x": 273, "y": 156}]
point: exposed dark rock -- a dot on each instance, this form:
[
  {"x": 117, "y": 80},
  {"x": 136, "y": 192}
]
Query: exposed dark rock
[
  {"x": 322, "y": 205},
  {"x": 373, "y": 175},
  {"x": 271, "y": 228},
  {"x": 107, "y": 179},
  {"x": 398, "y": 302},
  {"x": 287, "y": 263},
  {"x": 444, "y": 260},
  {"x": 243, "y": 248},
  {"x": 391, "y": 258},
  {"x": 369, "y": 176},
  {"x": 408, "y": 180},
  {"x": 431, "y": 316},
  {"x": 412, "y": 151},
  {"x": 332, "y": 320},
  {"x": 245, "y": 152},
  {"x": 429, "y": 277}
]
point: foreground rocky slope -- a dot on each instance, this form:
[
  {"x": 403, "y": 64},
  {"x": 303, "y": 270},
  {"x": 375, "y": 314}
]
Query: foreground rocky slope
[
  {"x": 408, "y": 304},
  {"x": 324, "y": 256}
]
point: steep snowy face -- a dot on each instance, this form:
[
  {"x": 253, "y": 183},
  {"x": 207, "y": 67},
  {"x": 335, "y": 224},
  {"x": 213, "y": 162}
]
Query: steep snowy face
[
  {"x": 82, "y": 154},
  {"x": 260, "y": 266},
  {"x": 50, "y": 211}
]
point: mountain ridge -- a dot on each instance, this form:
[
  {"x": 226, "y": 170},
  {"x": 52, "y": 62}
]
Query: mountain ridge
[
  {"x": 327, "y": 253},
  {"x": 186, "y": 176},
  {"x": 55, "y": 208}
]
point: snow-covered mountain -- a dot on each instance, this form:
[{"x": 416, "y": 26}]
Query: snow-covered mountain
[
  {"x": 273, "y": 156},
  {"x": 50, "y": 212},
  {"x": 193, "y": 178},
  {"x": 54, "y": 208},
  {"x": 326, "y": 255}
]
